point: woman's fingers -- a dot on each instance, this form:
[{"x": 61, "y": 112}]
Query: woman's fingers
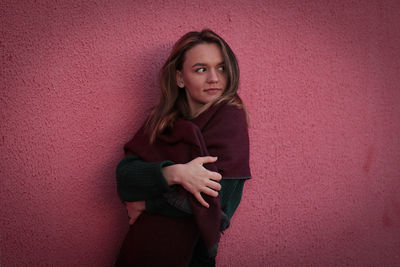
[
  {"x": 196, "y": 179},
  {"x": 133, "y": 217},
  {"x": 207, "y": 191},
  {"x": 133, "y": 214},
  {"x": 210, "y": 192},
  {"x": 206, "y": 159},
  {"x": 214, "y": 185},
  {"x": 134, "y": 210},
  {"x": 201, "y": 200},
  {"x": 214, "y": 176}
]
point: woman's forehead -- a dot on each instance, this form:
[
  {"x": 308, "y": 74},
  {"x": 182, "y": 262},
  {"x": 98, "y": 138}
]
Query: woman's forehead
[{"x": 204, "y": 54}]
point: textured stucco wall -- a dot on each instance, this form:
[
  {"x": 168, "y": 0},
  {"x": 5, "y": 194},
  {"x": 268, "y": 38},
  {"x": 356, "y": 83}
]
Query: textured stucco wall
[{"x": 321, "y": 83}]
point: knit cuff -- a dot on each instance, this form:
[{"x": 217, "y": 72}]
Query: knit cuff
[{"x": 163, "y": 181}]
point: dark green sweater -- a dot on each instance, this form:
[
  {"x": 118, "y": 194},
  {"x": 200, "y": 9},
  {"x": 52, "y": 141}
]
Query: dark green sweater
[{"x": 139, "y": 180}]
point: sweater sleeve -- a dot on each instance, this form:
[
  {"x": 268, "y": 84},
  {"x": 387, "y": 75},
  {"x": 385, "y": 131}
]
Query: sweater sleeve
[
  {"x": 140, "y": 180},
  {"x": 231, "y": 195}
]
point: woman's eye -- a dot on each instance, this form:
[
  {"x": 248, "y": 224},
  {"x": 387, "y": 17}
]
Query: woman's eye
[
  {"x": 222, "y": 68},
  {"x": 201, "y": 70}
]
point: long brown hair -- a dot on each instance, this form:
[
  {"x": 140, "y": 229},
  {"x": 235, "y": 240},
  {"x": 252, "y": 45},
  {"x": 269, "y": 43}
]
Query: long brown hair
[{"x": 173, "y": 103}]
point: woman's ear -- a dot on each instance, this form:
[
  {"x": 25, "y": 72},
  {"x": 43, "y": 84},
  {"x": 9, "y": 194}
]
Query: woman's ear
[{"x": 179, "y": 79}]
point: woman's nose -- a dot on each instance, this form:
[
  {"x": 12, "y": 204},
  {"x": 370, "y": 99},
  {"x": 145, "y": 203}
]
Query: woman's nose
[{"x": 212, "y": 76}]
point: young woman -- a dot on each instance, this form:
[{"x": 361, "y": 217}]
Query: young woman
[{"x": 183, "y": 176}]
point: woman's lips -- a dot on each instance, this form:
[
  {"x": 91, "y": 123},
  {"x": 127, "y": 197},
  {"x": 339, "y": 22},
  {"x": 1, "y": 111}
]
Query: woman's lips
[{"x": 212, "y": 91}]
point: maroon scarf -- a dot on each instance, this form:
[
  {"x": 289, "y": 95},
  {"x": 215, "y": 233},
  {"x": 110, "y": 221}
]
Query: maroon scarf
[{"x": 220, "y": 131}]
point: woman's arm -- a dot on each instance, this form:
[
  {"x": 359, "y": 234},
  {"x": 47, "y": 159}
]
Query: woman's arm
[
  {"x": 139, "y": 180},
  {"x": 142, "y": 184},
  {"x": 231, "y": 195},
  {"x": 195, "y": 178}
]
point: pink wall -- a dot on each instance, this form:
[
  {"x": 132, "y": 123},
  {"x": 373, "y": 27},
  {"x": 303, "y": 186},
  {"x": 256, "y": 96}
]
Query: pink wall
[{"x": 321, "y": 83}]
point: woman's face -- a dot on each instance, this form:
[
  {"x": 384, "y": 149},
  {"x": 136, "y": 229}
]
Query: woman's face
[{"x": 203, "y": 75}]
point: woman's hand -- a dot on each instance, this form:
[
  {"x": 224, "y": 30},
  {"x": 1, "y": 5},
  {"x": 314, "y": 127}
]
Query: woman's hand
[
  {"x": 195, "y": 178},
  {"x": 134, "y": 210}
]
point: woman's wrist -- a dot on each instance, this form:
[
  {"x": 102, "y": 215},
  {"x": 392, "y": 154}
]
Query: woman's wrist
[{"x": 170, "y": 174}]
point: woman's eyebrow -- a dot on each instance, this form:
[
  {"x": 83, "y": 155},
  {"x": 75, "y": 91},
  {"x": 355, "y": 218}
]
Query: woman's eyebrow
[
  {"x": 199, "y": 64},
  {"x": 204, "y": 64}
]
